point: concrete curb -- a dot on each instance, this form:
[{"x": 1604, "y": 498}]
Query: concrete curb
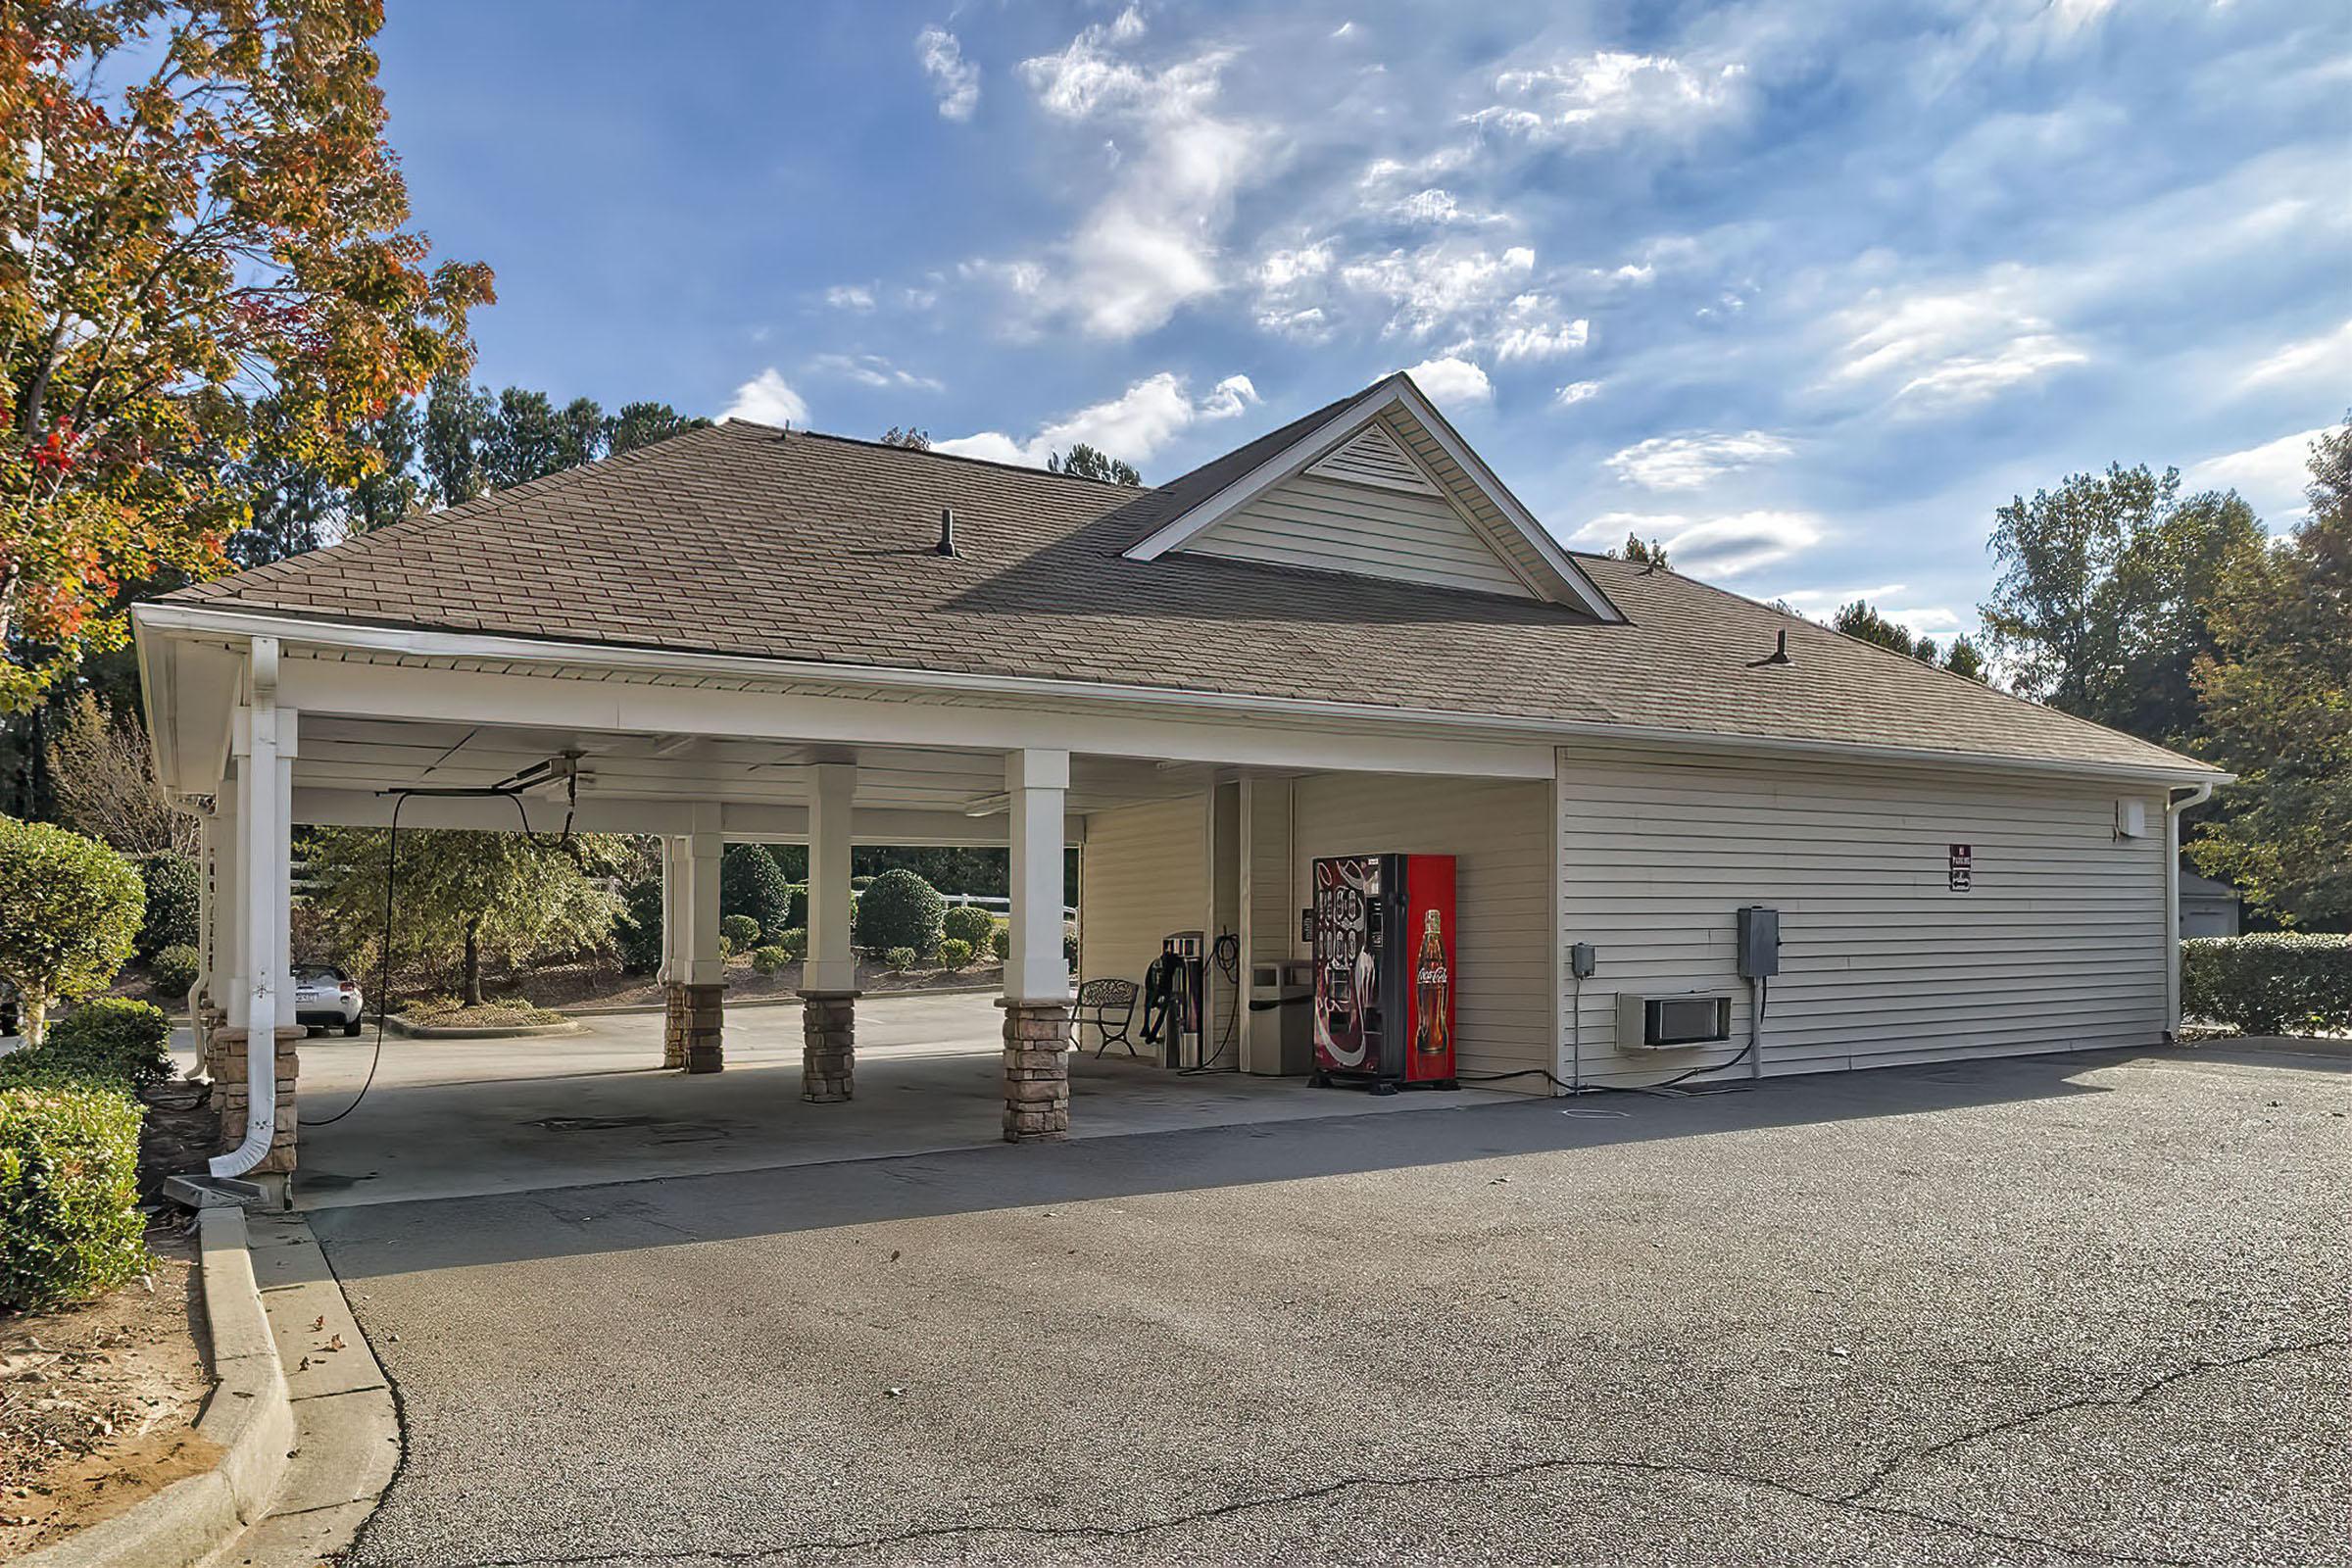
[
  {"x": 249, "y": 1416},
  {"x": 398, "y": 1025},
  {"x": 789, "y": 999}
]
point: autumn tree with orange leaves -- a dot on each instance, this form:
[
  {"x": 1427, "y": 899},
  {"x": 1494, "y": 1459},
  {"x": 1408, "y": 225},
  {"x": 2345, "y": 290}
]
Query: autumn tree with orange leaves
[{"x": 201, "y": 262}]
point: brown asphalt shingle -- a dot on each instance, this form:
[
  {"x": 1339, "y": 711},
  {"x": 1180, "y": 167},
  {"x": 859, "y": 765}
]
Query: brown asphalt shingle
[{"x": 744, "y": 540}]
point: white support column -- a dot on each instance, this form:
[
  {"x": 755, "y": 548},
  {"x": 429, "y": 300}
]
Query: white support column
[
  {"x": 832, "y": 966},
  {"x": 208, "y": 851},
  {"x": 703, "y": 964},
  {"x": 1038, "y": 783},
  {"x": 264, "y": 742},
  {"x": 674, "y": 910},
  {"x": 228, "y": 903},
  {"x": 1037, "y": 978}
]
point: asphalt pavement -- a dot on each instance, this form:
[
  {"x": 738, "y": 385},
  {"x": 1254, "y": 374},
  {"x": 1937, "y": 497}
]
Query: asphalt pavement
[{"x": 2051, "y": 1310}]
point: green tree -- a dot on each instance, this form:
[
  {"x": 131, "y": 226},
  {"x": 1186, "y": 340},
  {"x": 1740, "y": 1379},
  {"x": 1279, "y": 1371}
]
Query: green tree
[
  {"x": 1962, "y": 659},
  {"x": 463, "y": 896},
  {"x": 907, "y": 436},
  {"x": 1651, "y": 555},
  {"x": 202, "y": 221},
  {"x": 2105, "y": 591},
  {"x": 1089, "y": 463},
  {"x": 453, "y": 450},
  {"x": 2277, "y": 695},
  {"x": 69, "y": 914},
  {"x": 1858, "y": 620},
  {"x": 641, "y": 424},
  {"x": 753, "y": 885}
]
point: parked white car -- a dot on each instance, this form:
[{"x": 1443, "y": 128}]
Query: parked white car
[{"x": 326, "y": 998}]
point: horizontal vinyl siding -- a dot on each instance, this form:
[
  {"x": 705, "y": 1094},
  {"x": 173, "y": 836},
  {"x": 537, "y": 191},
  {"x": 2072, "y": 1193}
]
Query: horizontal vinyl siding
[
  {"x": 1334, "y": 526},
  {"x": 1499, "y": 835},
  {"x": 1273, "y": 920},
  {"x": 2059, "y": 945},
  {"x": 1507, "y": 536},
  {"x": 1142, "y": 873}
]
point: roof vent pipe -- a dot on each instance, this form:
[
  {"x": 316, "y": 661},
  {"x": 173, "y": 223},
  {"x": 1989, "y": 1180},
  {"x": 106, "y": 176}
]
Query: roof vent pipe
[
  {"x": 1778, "y": 653},
  {"x": 946, "y": 532}
]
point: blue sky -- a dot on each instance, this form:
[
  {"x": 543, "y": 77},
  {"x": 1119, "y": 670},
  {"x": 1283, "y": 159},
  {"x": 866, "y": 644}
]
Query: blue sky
[{"x": 1805, "y": 287}]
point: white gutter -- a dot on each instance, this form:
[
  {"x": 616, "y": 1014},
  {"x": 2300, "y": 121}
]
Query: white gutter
[
  {"x": 441, "y": 645},
  {"x": 261, "y": 837},
  {"x": 2198, "y": 794}
]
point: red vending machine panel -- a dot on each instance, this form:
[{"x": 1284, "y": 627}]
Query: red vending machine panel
[{"x": 1382, "y": 931}]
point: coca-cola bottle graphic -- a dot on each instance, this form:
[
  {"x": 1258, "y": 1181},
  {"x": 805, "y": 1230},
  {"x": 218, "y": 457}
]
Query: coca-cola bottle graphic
[{"x": 1432, "y": 988}]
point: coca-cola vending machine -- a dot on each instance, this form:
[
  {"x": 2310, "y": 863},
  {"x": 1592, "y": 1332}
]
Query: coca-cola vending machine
[{"x": 1382, "y": 934}]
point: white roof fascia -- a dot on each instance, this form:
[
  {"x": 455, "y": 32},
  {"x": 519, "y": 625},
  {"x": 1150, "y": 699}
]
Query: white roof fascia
[{"x": 202, "y": 621}]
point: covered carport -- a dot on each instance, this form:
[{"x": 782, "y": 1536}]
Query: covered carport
[{"x": 264, "y": 722}]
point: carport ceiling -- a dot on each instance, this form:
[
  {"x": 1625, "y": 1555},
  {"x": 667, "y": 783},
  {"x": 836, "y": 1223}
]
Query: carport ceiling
[{"x": 370, "y": 754}]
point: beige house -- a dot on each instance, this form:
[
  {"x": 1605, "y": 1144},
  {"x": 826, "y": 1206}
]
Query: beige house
[{"x": 1347, "y": 636}]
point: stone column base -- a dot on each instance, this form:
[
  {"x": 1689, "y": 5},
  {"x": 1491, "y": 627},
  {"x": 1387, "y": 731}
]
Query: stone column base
[
  {"x": 232, "y": 1096},
  {"x": 673, "y": 1024},
  {"x": 828, "y": 1046},
  {"x": 695, "y": 1031},
  {"x": 1036, "y": 1072}
]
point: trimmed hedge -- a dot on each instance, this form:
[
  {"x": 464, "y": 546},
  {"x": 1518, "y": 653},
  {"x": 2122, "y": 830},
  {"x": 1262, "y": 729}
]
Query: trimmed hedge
[
  {"x": 967, "y": 922},
  {"x": 112, "y": 1042},
  {"x": 900, "y": 909},
  {"x": 70, "y": 1224},
  {"x": 955, "y": 952},
  {"x": 794, "y": 942},
  {"x": 173, "y": 970},
  {"x": 639, "y": 928},
  {"x": 900, "y": 957},
  {"x": 768, "y": 960},
  {"x": 751, "y": 885},
  {"x": 171, "y": 881},
  {"x": 2268, "y": 983},
  {"x": 999, "y": 941},
  {"x": 740, "y": 931}
]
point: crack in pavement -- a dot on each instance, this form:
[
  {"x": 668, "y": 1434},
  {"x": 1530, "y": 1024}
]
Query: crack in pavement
[
  {"x": 1313, "y": 1493},
  {"x": 1887, "y": 1472}
]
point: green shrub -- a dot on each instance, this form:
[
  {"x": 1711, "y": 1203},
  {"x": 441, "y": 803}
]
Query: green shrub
[
  {"x": 955, "y": 952},
  {"x": 740, "y": 931},
  {"x": 69, "y": 914},
  {"x": 70, "y": 1227},
  {"x": 768, "y": 960},
  {"x": 639, "y": 928},
  {"x": 173, "y": 969},
  {"x": 796, "y": 909},
  {"x": 2269, "y": 984},
  {"x": 1000, "y": 939},
  {"x": 1069, "y": 943},
  {"x": 794, "y": 942},
  {"x": 900, "y": 957},
  {"x": 900, "y": 909},
  {"x": 113, "y": 1041},
  {"x": 753, "y": 887},
  {"x": 966, "y": 922},
  {"x": 171, "y": 881}
]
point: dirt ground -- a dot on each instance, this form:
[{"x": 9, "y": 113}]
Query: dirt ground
[{"x": 98, "y": 1402}]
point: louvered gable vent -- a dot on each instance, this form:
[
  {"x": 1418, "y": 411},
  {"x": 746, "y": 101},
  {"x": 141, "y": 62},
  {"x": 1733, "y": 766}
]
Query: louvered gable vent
[{"x": 1372, "y": 456}]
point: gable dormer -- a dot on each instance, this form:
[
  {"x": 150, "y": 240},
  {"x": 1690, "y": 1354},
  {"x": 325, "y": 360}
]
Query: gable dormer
[{"x": 1386, "y": 489}]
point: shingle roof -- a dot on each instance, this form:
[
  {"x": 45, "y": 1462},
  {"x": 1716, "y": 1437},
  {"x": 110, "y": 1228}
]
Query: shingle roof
[{"x": 743, "y": 540}]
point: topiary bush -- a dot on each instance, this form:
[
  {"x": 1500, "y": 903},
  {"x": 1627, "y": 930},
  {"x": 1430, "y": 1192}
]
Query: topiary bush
[
  {"x": 955, "y": 952},
  {"x": 999, "y": 941},
  {"x": 900, "y": 957},
  {"x": 173, "y": 972},
  {"x": 794, "y": 942},
  {"x": 900, "y": 909},
  {"x": 69, "y": 1225},
  {"x": 639, "y": 928},
  {"x": 2271, "y": 983},
  {"x": 171, "y": 881},
  {"x": 796, "y": 910},
  {"x": 113, "y": 1041},
  {"x": 69, "y": 914},
  {"x": 738, "y": 931},
  {"x": 752, "y": 886},
  {"x": 969, "y": 923},
  {"x": 768, "y": 960}
]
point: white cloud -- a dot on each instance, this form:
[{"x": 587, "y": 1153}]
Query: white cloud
[
  {"x": 850, "y": 297},
  {"x": 1692, "y": 462},
  {"x": 954, "y": 80},
  {"x": 1532, "y": 328},
  {"x": 872, "y": 369},
  {"x": 1954, "y": 347},
  {"x": 2271, "y": 476},
  {"x": 1133, "y": 427},
  {"x": 1440, "y": 285},
  {"x": 1576, "y": 392},
  {"x": 1734, "y": 545},
  {"x": 1600, "y": 98},
  {"x": 2313, "y": 359},
  {"x": 1437, "y": 208},
  {"x": 1452, "y": 380},
  {"x": 767, "y": 399},
  {"x": 1152, "y": 244}
]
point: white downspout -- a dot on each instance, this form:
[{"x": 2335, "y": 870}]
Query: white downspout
[
  {"x": 2198, "y": 794},
  {"x": 261, "y": 837}
]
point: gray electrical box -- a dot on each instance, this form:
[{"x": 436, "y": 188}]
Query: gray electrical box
[
  {"x": 1581, "y": 956},
  {"x": 1759, "y": 942}
]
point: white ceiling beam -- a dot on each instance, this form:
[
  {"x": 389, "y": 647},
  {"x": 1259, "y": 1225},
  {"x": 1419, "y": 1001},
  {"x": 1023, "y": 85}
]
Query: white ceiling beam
[{"x": 740, "y": 822}]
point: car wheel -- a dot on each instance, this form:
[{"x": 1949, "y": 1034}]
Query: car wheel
[{"x": 351, "y": 1030}]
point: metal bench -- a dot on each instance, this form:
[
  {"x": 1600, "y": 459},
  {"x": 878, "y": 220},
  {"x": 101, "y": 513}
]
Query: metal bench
[{"x": 1109, "y": 1006}]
